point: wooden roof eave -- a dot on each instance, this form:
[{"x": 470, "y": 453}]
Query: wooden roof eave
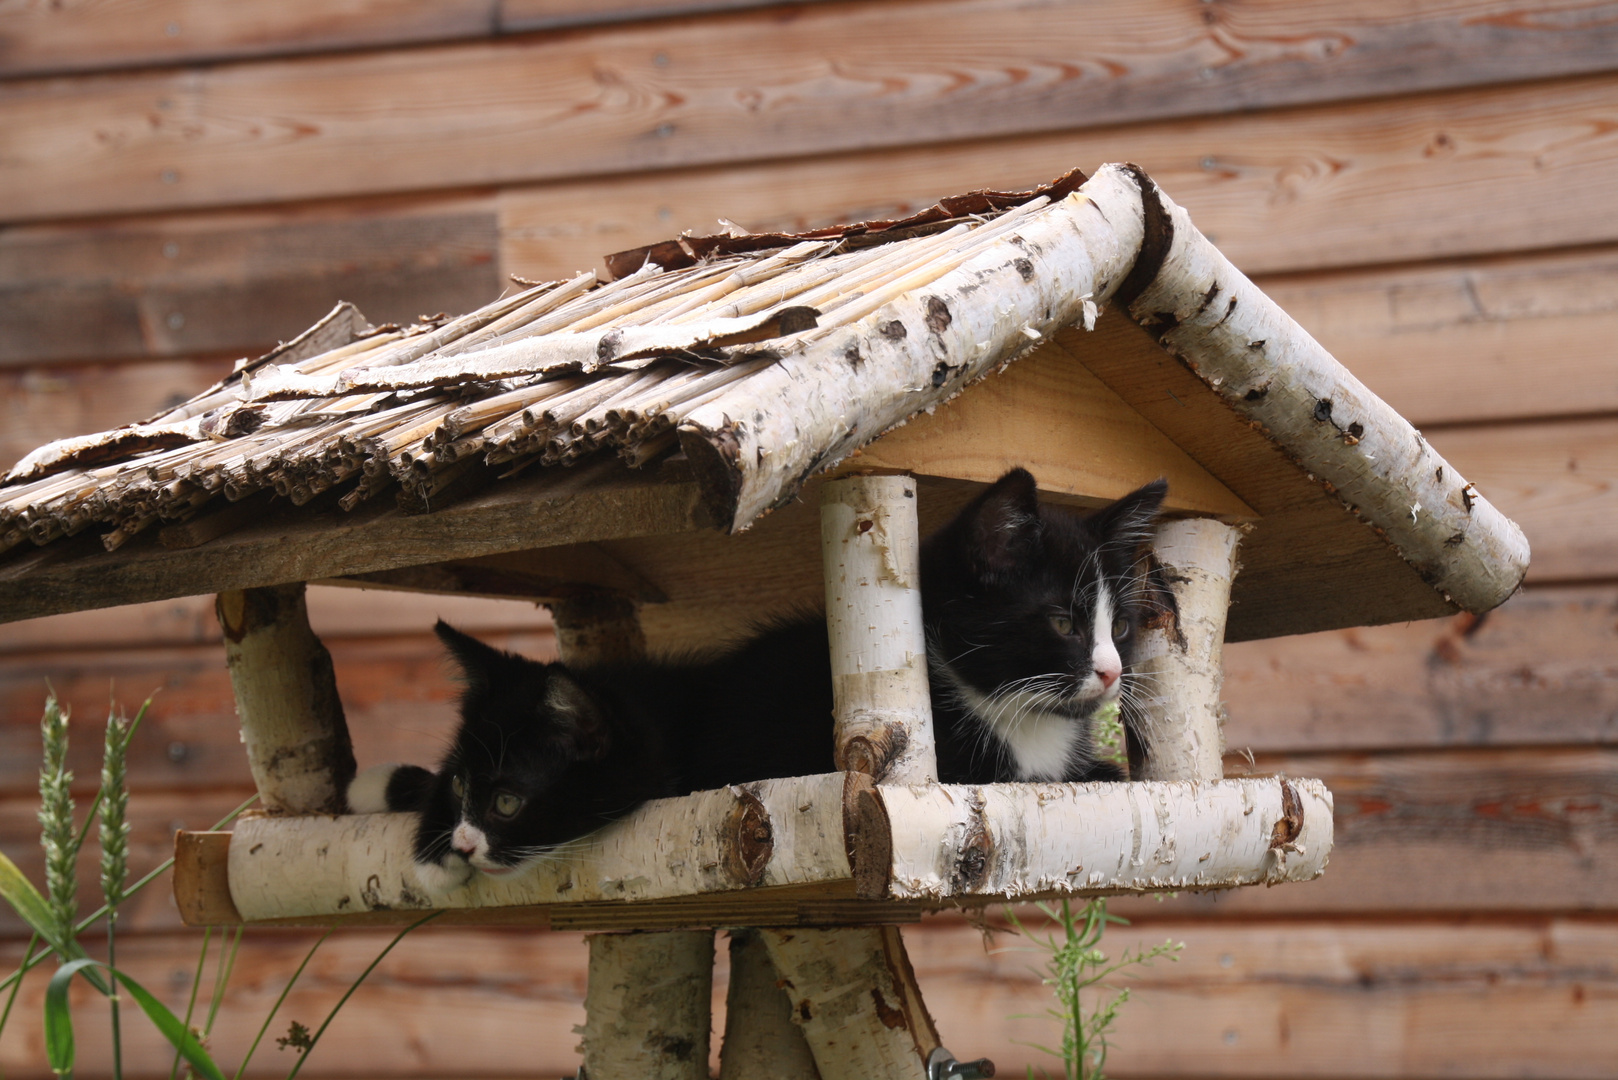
[
  {"x": 1118, "y": 237},
  {"x": 1271, "y": 372}
]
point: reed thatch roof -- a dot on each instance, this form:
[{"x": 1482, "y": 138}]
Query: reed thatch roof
[{"x": 752, "y": 362}]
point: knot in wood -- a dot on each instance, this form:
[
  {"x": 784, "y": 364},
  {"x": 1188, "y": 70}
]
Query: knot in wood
[
  {"x": 873, "y": 753},
  {"x": 749, "y": 840},
  {"x": 1290, "y": 825},
  {"x": 974, "y": 858}
]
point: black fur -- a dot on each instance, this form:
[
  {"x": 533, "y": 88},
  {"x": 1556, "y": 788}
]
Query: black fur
[{"x": 581, "y": 746}]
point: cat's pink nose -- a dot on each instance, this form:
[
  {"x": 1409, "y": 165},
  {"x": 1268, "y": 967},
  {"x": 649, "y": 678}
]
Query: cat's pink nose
[
  {"x": 465, "y": 846},
  {"x": 1108, "y": 676}
]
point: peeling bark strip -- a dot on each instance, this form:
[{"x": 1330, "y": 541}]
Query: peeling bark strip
[
  {"x": 647, "y": 1006},
  {"x": 854, "y": 995},
  {"x": 1179, "y": 669},
  {"x": 694, "y": 845},
  {"x": 1081, "y": 247},
  {"x": 286, "y": 695},
  {"x": 761, "y": 1040},
  {"x": 1073, "y": 839},
  {"x": 1268, "y": 369},
  {"x": 870, "y": 545}
]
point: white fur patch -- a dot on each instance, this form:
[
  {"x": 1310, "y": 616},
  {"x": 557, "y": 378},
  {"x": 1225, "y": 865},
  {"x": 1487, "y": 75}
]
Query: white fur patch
[
  {"x": 1041, "y": 743},
  {"x": 441, "y": 878},
  {"x": 368, "y": 792},
  {"x": 1104, "y": 654}
]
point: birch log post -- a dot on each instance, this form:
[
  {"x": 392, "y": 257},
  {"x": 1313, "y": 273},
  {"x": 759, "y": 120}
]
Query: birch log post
[
  {"x": 647, "y": 1003},
  {"x": 871, "y": 552},
  {"x": 286, "y": 696},
  {"x": 1178, "y": 673},
  {"x": 647, "y": 1006},
  {"x": 761, "y": 1040},
  {"x": 854, "y": 994}
]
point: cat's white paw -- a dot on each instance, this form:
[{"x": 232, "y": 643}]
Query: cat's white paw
[
  {"x": 368, "y": 792},
  {"x": 439, "y": 879}
]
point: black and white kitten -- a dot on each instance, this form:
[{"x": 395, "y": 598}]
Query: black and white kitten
[{"x": 1031, "y": 611}]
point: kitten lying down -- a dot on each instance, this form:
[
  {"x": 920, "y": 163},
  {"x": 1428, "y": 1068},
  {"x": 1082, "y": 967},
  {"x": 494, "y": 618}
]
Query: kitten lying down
[{"x": 1032, "y": 612}]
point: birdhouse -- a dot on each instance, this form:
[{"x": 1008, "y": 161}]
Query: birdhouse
[{"x": 734, "y": 425}]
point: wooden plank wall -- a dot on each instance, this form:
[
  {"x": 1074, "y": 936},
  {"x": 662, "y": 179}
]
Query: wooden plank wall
[{"x": 1428, "y": 188}]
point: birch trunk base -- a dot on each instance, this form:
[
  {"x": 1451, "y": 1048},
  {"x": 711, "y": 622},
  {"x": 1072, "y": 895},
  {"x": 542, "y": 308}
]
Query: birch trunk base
[
  {"x": 647, "y": 1006},
  {"x": 761, "y": 1040},
  {"x": 854, "y": 996}
]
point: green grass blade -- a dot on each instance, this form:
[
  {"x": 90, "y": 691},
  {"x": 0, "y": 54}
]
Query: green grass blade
[
  {"x": 59, "y": 1045},
  {"x": 60, "y": 1049},
  {"x": 355, "y": 986},
  {"x": 29, "y": 904}
]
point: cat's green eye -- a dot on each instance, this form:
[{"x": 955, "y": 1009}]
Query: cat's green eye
[
  {"x": 1062, "y": 624},
  {"x": 506, "y": 804},
  {"x": 457, "y": 786},
  {"x": 1120, "y": 628}
]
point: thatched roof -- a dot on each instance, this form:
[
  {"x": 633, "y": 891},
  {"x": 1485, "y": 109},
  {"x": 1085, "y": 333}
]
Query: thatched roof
[{"x": 756, "y": 361}]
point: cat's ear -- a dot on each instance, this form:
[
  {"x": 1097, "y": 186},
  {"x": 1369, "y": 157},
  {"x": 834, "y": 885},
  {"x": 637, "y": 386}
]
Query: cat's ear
[
  {"x": 576, "y": 716},
  {"x": 1002, "y": 525},
  {"x": 478, "y": 662},
  {"x": 1128, "y": 522}
]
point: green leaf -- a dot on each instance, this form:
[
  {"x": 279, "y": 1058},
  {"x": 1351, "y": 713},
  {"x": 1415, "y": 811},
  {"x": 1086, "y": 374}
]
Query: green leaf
[
  {"x": 59, "y": 1046},
  {"x": 29, "y": 905}
]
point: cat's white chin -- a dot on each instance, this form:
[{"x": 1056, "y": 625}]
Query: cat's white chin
[{"x": 438, "y": 878}]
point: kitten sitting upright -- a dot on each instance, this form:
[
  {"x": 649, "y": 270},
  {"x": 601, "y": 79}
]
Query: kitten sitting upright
[{"x": 1031, "y": 614}]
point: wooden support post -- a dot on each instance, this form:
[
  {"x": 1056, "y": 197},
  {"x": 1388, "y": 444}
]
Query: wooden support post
[
  {"x": 852, "y": 991},
  {"x": 597, "y": 628},
  {"x": 854, "y": 994},
  {"x": 761, "y": 1040},
  {"x": 646, "y": 1007},
  {"x": 286, "y": 695},
  {"x": 1179, "y": 668},
  {"x": 871, "y": 548}
]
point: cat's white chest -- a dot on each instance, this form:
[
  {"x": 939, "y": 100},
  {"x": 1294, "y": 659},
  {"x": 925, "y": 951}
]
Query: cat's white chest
[{"x": 1042, "y": 744}]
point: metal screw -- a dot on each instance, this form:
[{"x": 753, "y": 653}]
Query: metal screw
[
  {"x": 660, "y": 59},
  {"x": 665, "y": 130},
  {"x": 178, "y": 752},
  {"x": 171, "y": 250},
  {"x": 170, "y": 176},
  {"x": 1230, "y": 1037},
  {"x": 172, "y": 29},
  {"x": 175, "y": 320},
  {"x": 941, "y": 1065}
]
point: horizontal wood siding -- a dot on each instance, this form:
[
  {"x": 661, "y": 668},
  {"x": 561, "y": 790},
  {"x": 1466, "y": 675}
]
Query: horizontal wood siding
[{"x": 1425, "y": 187}]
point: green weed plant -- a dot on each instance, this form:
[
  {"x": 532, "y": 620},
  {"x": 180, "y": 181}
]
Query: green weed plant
[
  {"x": 53, "y": 917},
  {"x": 1078, "y": 972}
]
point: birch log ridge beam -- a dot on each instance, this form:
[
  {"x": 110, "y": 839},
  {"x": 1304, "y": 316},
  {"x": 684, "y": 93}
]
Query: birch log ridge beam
[
  {"x": 1174, "y": 707},
  {"x": 286, "y": 694}
]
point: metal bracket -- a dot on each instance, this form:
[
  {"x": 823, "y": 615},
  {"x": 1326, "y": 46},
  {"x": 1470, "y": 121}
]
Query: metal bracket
[{"x": 941, "y": 1065}]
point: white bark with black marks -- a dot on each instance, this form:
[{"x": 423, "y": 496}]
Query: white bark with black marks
[
  {"x": 1178, "y": 671},
  {"x": 871, "y": 551},
  {"x": 286, "y": 696}
]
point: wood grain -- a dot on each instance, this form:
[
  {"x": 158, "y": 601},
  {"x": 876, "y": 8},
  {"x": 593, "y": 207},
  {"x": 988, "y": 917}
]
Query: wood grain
[
  {"x": 1558, "y": 480},
  {"x": 399, "y": 693},
  {"x": 735, "y": 88},
  {"x": 1447, "y": 832},
  {"x": 236, "y": 283},
  {"x": 1445, "y": 174},
  {"x": 40, "y": 404},
  {"x": 89, "y": 36},
  {"x": 1540, "y": 670},
  {"x": 600, "y": 500},
  {"x": 1472, "y": 340},
  {"x": 1394, "y": 998}
]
